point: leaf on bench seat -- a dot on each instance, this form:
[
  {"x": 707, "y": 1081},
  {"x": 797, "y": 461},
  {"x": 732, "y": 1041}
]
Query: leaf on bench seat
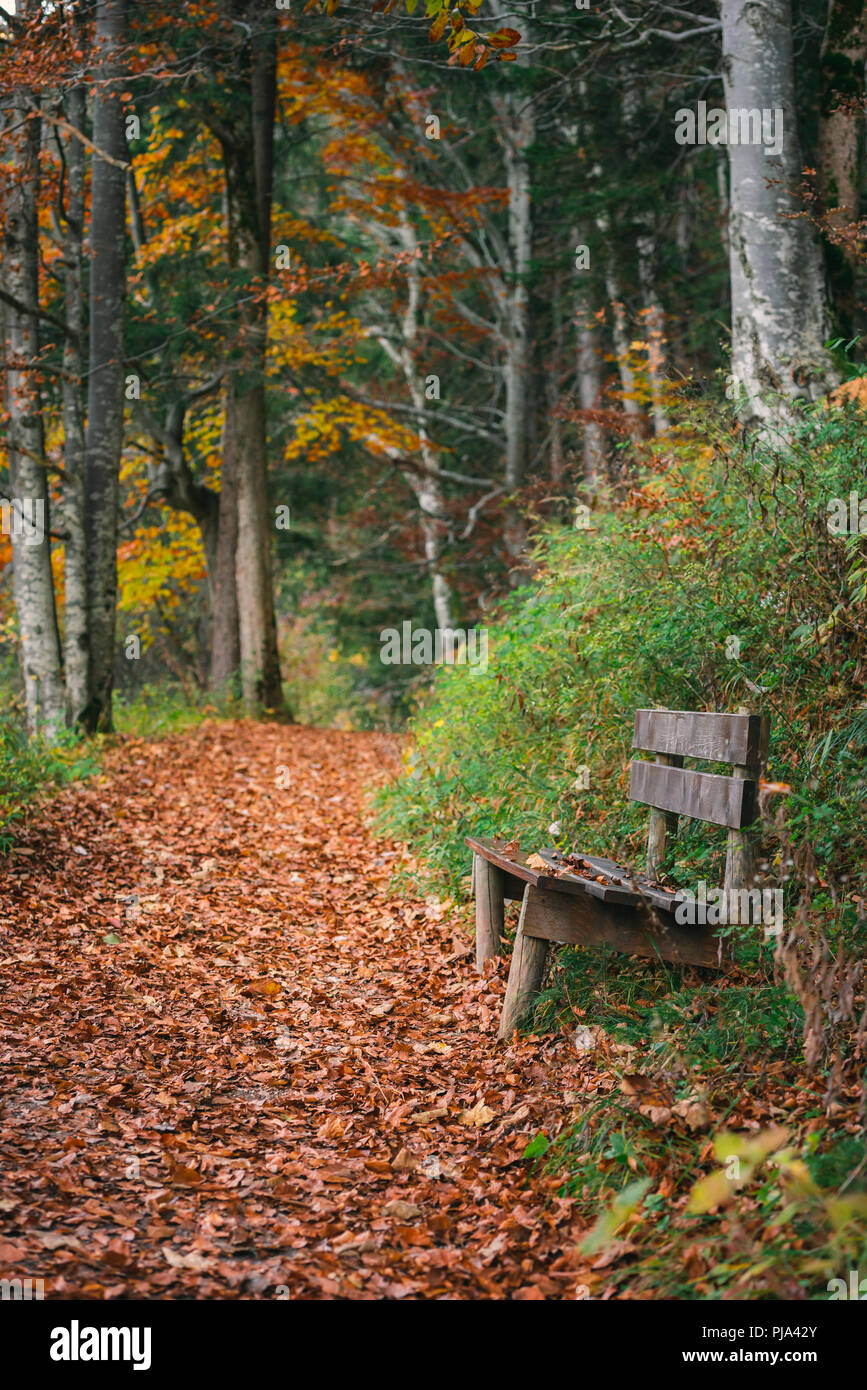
[{"x": 535, "y": 861}]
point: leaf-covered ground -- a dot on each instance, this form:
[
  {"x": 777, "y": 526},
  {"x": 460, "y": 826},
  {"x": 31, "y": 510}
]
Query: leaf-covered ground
[{"x": 236, "y": 1065}]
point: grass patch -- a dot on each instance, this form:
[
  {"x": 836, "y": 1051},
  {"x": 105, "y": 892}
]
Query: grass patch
[{"x": 32, "y": 771}]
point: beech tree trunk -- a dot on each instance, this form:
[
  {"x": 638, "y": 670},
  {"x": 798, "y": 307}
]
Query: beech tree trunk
[
  {"x": 841, "y": 138},
  {"x": 28, "y": 512},
  {"x": 654, "y": 322},
  {"x": 426, "y": 486},
  {"x": 225, "y": 634},
  {"x": 516, "y": 114},
  {"x": 589, "y": 391},
  {"x": 519, "y": 129},
  {"x": 104, "y": 434},
  {"x": 70, "y": 221},
  {"x": 779, "y": 315},
  {"x": 246, "y": 136}
]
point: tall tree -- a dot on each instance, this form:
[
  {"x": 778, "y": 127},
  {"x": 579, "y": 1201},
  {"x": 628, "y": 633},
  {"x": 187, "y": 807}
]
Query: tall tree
[
  {"x": 779, "y": 310},
  {"x": 69, "y": 221},
  {"x": 105, "y": 396},
  {"x": 242, "y": 118},
  {"x": 29, "y": 510},
  {"x": 841, "y": 142}
]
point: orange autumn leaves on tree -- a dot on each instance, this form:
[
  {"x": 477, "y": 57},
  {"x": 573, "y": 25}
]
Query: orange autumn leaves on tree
[{"x": 467, "y": 45}]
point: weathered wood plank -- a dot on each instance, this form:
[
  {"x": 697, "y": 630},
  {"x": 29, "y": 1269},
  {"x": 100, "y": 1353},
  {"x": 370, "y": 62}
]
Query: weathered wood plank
[
  {"x": 514, "y": 862},
  {"x": 490, "y": 905},
  {"x": 656, "y": 896},
  {"x": 567, "y": 881},
  {"x": 525, "y": 974},
  {"x": 513, "y": 888},
  {"x": 703, "y": 796},
  {"x": 725, "y": 738},
  {"x": 740, "y": 868},
  {"x": 587, "y": 922},
  {"x": 516, "y": 868},
  {"x": 663, "y": 825}
]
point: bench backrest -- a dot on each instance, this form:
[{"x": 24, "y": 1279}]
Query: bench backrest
[{"x": 672, "y": 790}]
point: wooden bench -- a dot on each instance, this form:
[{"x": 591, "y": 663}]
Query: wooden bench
[{"x": 604, "y": 902}]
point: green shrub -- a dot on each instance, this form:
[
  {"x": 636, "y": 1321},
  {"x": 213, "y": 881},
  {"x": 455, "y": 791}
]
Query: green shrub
[
  {"x": 29, "y": 771},
  {"x": 711, "y": 544}
]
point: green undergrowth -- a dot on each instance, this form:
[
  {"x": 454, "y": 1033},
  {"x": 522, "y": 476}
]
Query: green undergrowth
[
  {"x": 30, "y": 772},
  {"x": 160, "y": 709},
  {"x": 713, "y": 583},
  {"x": 797, "y": 1221}
]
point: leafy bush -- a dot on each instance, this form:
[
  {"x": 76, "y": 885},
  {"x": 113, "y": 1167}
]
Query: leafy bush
[
  {"x": 713, "y": 583},
  {"x": 32, "y": 770}
]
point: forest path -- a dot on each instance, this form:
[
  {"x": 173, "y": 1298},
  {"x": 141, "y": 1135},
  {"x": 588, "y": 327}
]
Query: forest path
[{"x": 237, "y": 1066}]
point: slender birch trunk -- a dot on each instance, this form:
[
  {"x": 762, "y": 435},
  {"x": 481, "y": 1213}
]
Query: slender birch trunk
[
  {"x": 28, "y": 512},
  {"x": 589, "y": 392},
  {"x": 654, "y": 318},
  {"x": 620, "y": 335},
  {"x": 516, "y": 112},
  {"x": 104, "y": 433},
  {"x": 779, "y": 315},
  {"x": 426, "y": 486},
  {"x": 553, "y": 378},
  {"x": 519, "y": 130},
  {"x": 225, "y": 631},
  {"x": 71, "y": 222}
]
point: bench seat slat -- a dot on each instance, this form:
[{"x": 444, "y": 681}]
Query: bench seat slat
[
  {"x": 515, "y": 862},
  {"x": 729, "y": 801},
  {"x": 516, "y": 869}
]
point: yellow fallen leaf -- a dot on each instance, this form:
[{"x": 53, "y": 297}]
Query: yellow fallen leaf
[
  {"x": 266, "y": 987},
  {"x": 192, "y": 1261},
  {"x": 424, "y": 1117},
  {"x": 480, "y": 1114},
  {"x": 405, "y": 1161},
  {"x": 405, "y": 1211}
]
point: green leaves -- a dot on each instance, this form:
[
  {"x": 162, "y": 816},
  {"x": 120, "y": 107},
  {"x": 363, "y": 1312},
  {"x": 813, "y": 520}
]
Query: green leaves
[
  {"x": 538, "y": 1146},
  {"x": 625, "y": 1205},
  {"x": 741, "y": 1156}
]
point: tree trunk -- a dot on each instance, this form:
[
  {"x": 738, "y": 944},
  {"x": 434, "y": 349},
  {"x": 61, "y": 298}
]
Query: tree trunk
[
  {"x": 247, "y": 144},
  {"x": 589, "y": 391},
  {"x": 519, "y": 129},
  {"x": 516, "y": 114},
  {"x": 654, "y": 320},
  {"x": 426, "y": 486},
  {"x": 104, "y": 434},
  {"x": 620, "y": 334},
  {"x": 779, "y": 319},
  {"x": 841, "y": 136},
  {"x": 553, "y": 380},
  {"x": 225, "y": 635},
  {"x": 29, "y": 512},
  {"x": 71, "y": 221}
]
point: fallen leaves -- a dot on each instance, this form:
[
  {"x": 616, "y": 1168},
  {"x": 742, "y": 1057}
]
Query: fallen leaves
[
  {"x": 479, "y": 1115},
  {"x": 276, "y": 1073},
  {"x": 406, "y": 1211}
]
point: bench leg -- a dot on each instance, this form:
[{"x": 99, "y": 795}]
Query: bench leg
[
  {"x": 489, "y": 885},
  {"x": 525, "y": 976}
]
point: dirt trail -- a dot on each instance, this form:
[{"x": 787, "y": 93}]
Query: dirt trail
[{"x": 235, "y": 1065}]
